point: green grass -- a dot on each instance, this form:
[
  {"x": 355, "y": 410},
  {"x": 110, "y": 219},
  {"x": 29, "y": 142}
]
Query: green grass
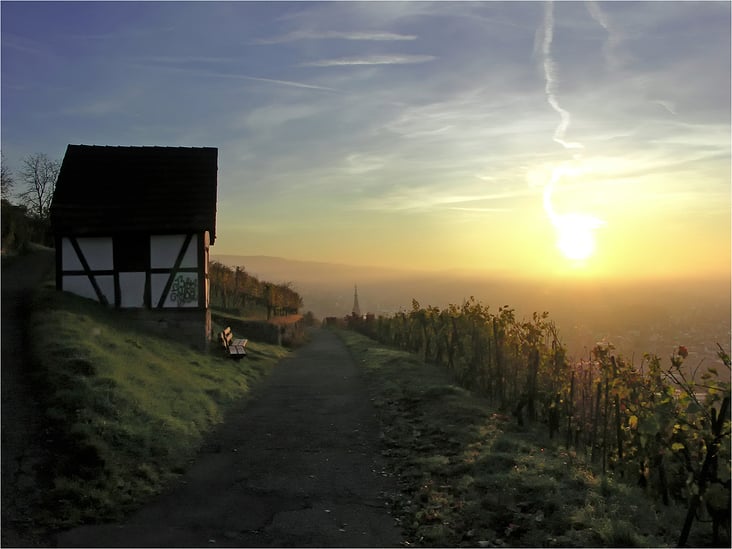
[
  {"x": 126, "y": 410},
  {"x": 469, "y": 476}
]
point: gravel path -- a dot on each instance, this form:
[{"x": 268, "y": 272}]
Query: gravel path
[
  {"x": 22, "y": 429},
  {"x": 296, "y": 465}
]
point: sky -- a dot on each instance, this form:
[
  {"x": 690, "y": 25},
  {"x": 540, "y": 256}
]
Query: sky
[{"x": 529, "y": 139}]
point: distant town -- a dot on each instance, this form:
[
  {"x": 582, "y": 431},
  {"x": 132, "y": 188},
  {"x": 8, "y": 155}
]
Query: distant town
[{"x": 636, "y": 317}]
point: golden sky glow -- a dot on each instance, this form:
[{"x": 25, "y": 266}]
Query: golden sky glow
[{"x": 528, "y": 138}]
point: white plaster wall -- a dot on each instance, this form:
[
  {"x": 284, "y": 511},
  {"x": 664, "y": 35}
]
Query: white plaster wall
[
  {"x": 132, "y": 289},
  {"x": 191, "y": 257},
  {"x": 80, "y": 285},
  {"x": 97, "y": 251},
  {"x": 164, "y": 251},
  {"x": 69, "y": 259}
]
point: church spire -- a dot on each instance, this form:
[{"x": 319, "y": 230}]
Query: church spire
[{"x": 356, "y": 309}]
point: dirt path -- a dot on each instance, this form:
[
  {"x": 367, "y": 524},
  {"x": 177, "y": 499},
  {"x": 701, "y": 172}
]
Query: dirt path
[
  {"x": 22, "y": 430},
  {"x": 297, "y": 465}
]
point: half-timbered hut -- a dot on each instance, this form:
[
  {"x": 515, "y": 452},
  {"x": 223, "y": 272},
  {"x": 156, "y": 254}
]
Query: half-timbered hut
[{"x": 132, "y": 229}]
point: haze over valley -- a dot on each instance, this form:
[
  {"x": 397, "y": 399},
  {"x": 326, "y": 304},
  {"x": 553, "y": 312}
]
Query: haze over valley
[{"x": 642, "y": 316}]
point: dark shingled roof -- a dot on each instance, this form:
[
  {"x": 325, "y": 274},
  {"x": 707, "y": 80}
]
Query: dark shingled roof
[{"x": 104, "y": 190}]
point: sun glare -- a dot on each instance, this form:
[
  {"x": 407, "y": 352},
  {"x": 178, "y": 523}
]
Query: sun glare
[
  {"x": 577, "y": 246},
  {"x": 575, "y": 235}
]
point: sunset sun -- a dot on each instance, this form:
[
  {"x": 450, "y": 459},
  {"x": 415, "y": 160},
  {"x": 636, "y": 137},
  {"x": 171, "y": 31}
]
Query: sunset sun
[
  {"x": 575, "y": 235},
  {"x": 576, "y": 245}
]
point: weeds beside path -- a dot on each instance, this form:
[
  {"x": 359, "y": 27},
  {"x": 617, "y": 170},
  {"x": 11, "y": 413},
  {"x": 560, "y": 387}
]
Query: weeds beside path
[{"x": 295, "y": 465}]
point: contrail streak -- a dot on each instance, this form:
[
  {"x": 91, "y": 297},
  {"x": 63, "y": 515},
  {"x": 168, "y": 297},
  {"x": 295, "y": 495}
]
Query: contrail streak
[
  {"x": 574, "y": 230},
  {"x": 564, "y": 116},
  {"x": 611, "y": 43},
  {"x": 550, "y": 78}
]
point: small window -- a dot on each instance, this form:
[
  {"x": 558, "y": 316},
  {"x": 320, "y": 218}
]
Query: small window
[{"x": 132, "y": 252}]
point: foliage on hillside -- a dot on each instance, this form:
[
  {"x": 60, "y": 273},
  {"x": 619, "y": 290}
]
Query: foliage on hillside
[
  {"x": 237, "y": 289},
  {"x": 125, "y": 409},
  {"x": 27, "y": 221},
  {"x": 20, "y": 229},
  {"x": 664, "y": 430}
]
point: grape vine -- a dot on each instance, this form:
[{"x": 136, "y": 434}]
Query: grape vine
[{"x": 666, "y": 429}]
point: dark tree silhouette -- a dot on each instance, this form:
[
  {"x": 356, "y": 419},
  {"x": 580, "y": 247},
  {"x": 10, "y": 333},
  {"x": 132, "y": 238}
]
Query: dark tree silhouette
[
  {"x": 38, "y": 177},
  {"x": 7, "y": 182}
]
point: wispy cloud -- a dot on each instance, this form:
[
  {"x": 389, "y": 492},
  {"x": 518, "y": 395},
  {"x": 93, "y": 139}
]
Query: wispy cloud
[
  {"x": 425, "y": 199},
  {"x": 170, "y": 59},
  {"x": 235, "y": 76},
  {"x": 101, "y": 107},
  {"x": 359, "y": 163},
  {"x": 395, "y": 59},
  {"x": 280, "y": 82},
  {"x": 275, "y": 115},
  {"x": 335, "y": 35},
  {"x": 25, "y": 45},
  {"x": 611, "y": 45},
  {"x": 479, "y": 210}
]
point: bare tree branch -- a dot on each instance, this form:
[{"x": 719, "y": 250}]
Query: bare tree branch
[
  {"x": 6, "y": 177},
  {"x": 39, "y": 176}
]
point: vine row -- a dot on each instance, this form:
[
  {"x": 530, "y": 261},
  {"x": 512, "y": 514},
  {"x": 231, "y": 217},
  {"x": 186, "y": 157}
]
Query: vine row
[{"x": 664, "y": 428}]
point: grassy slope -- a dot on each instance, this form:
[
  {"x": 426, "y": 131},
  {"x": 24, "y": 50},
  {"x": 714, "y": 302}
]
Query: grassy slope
[
  {"x": 126, "y": 410},
  {"x": 470, "y": 477}
]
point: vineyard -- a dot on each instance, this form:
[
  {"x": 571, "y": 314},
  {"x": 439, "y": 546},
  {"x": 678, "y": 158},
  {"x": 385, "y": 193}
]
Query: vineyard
[
  {"x": 235, "y": 289},
  {"x": 664, "y": 428}
]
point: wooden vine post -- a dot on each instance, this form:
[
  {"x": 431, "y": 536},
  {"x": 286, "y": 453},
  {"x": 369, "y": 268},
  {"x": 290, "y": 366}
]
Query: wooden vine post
[
  {"x": 618, "y": 420},
  {"x": 604, "y": 423},
  {"x": 595, "y": 421},
  {"x": 709, "y": 460},
  {"x": 570, "y": 411}
]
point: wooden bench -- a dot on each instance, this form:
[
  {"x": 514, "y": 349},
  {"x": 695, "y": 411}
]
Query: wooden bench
[{"x": 235, "y": 347}]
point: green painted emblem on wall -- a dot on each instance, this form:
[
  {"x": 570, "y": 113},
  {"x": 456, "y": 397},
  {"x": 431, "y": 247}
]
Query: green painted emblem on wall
[{"x": 184, "y": 290}]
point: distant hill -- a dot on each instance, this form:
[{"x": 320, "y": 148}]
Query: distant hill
[
  {"x": 327, "y": 288},
  {"x": 278, "y": 269}
]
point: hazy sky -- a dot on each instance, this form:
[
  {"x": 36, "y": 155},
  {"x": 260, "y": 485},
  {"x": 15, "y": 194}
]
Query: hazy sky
[{"x": 426, "y": 135}]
